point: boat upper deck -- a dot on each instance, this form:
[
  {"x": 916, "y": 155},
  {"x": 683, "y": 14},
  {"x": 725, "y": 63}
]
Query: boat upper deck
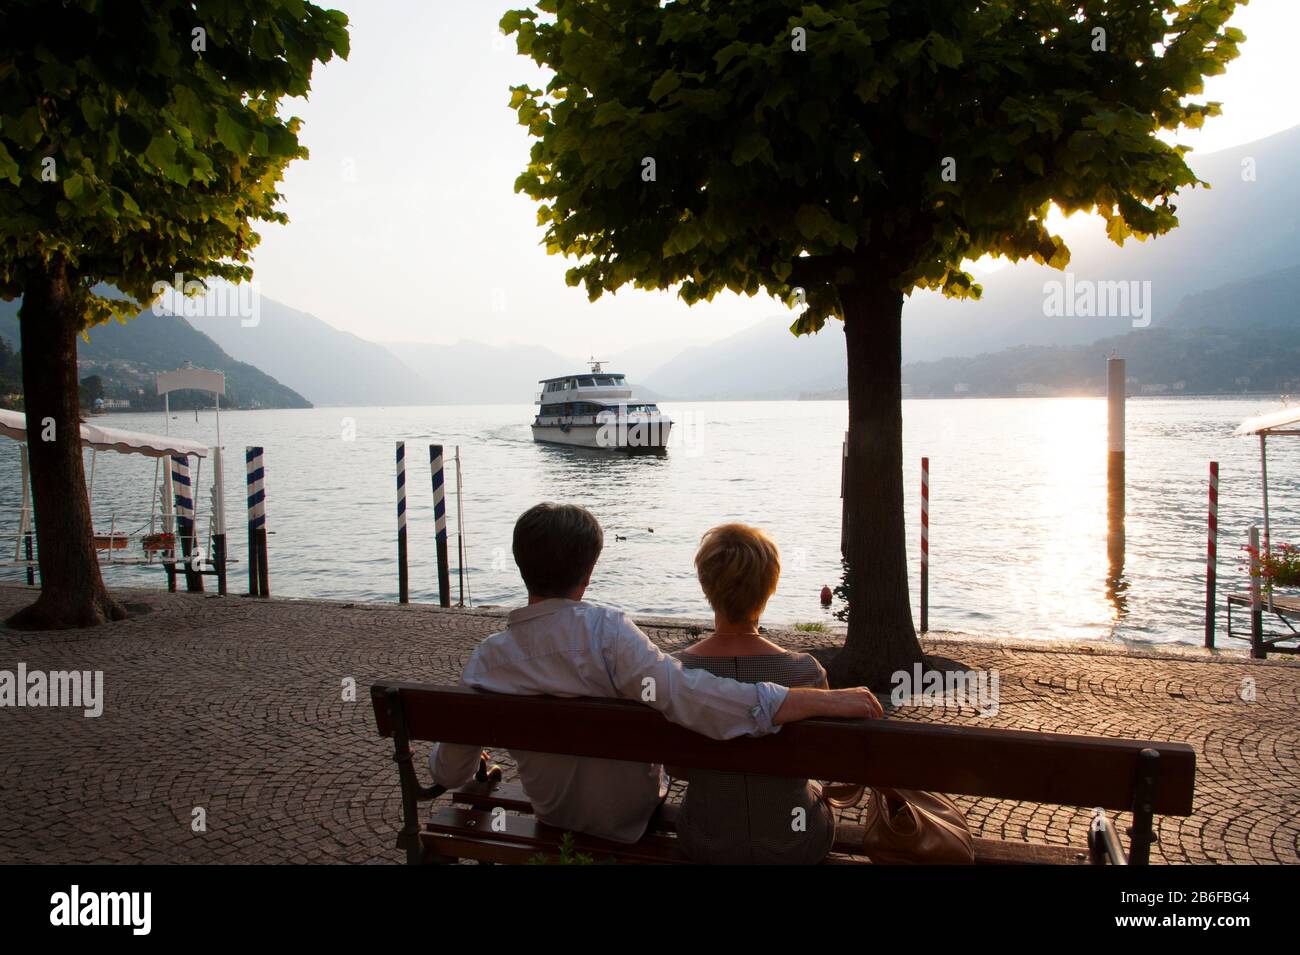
[{"x": 591, "y": 385}]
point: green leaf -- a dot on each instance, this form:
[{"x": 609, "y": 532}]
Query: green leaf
[
  {"x": 26, "y": 130},
  {"x": 232, "y": 134},
  {"x": 162, "y": 153},
  {"x": 8, "y": 168},
  {"x": 667, "y": 83},
  {"x": 813, "y": 221},
  {"x": 191, "y": 111},
  {"x": 943, "y": 51},
  {"x": 748, "y": 147},
  {"x": 92, "y": 110},
  {"x": 729, "y": 53},
  {"x": 73, "y": 186}
]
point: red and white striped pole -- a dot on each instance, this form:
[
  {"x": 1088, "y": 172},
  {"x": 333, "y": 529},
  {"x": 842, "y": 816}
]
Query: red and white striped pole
[
  {"x": 1212, "y": 556},
  {"x": 925, "y": 545}
]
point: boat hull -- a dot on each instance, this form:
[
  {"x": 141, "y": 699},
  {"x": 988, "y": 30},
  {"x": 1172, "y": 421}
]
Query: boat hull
[{"x": 629, "y": 437}]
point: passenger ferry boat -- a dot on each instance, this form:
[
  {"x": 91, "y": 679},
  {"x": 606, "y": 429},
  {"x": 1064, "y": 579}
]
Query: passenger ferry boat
[{"x": 598, "y": 409}]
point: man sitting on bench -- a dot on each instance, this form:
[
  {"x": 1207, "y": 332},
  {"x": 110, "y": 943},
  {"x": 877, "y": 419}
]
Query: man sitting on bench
[{"x": 559, "y": 645}]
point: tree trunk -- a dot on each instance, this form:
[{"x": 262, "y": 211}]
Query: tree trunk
[
  {"x": 72, "y": 590},
  {"x": 881, "y": 638}
]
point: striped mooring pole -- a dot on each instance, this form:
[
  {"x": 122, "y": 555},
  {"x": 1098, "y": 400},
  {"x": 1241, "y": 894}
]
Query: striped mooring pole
[
  {"x": 258, "y": 580},
  {"x": 1212, "y": 556},
  {"x": 185, "y": 521},
  {"x": 925, "y": 545},
  {"x": 440, "y": 524},
  {"x": 1115, "y": 395},
  {"x": 403, "y": 581}
]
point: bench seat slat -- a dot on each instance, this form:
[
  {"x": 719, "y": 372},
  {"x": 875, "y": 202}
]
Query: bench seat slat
[
  {"x": 468, "y": 834},
  {"x": 483, "y": 798},
  {"x": 1051, "y": 768}
]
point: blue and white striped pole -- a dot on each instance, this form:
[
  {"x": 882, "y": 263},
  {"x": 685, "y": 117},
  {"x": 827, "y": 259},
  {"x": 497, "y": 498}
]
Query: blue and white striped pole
[
  {"x": 440, "y": 524},
  {"x": 403, "y": 581},
  {"x": 258, "y": 578},
  {"x": 185, "y": 520}
]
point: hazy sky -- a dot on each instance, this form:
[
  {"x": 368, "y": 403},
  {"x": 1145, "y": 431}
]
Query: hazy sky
[{"x": 405, "y": 225}]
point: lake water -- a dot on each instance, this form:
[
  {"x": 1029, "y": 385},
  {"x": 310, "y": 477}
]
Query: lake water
[{"x": 1018, "y": 505}]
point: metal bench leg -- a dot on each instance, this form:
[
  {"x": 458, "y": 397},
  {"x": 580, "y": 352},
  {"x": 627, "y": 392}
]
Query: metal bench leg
[
  {"x": 1141, "y": 833},
  {"x": 412, "y": 792}
]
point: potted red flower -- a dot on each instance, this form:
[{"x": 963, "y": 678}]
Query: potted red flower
[{"x": 1281, "y": 568}]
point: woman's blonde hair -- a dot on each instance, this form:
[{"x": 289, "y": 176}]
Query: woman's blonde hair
[{"x": 738, "y": 567}]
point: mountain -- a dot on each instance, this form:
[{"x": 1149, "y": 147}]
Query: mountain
[
  {"x": 761, "y": 362},
  {"x": 128, "y": 355},
  {"x": 1240, "y": 337},
  {"x": 1239, "y": 228},
  {"x": 1247, "y": 223},
  {"x": 329, "y": 366},
  {"x": 1264, "y": 301},
  {"x": 475, "y": 373}
]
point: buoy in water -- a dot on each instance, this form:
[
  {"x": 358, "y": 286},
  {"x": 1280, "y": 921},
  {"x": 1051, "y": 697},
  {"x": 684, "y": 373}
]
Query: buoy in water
[{"x": 826, "y": 596}]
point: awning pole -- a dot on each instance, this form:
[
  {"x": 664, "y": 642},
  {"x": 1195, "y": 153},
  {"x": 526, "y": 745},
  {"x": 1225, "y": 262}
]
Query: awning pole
[{"x": 1263, "y": 471}]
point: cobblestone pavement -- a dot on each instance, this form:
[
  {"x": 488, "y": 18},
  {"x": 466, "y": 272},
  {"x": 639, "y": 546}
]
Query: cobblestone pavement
[{"x": 235, "y": 707}]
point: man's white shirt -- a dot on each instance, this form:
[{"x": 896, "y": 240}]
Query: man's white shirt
[{"x": 570, "y": 648}]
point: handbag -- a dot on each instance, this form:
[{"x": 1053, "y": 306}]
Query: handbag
[{"x": 908, "y": 826}]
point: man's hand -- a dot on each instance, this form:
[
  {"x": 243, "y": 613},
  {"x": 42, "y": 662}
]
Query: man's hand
[{"x": 857, "y": 703}]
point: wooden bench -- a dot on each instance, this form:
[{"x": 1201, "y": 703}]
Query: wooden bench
[{"x": 1146, "y": 778}]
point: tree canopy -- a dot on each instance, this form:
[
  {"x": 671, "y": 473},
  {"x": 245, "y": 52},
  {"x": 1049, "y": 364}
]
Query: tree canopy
[
  {"x": 775, "y": 145},
  {"x": 141, "y": 141}
]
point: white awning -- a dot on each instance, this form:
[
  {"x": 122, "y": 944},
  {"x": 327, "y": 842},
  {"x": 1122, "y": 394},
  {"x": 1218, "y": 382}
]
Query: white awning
[
  {"x": 1285, "y": 421},
  {"x": 13, "y": 424},
  {"x": 199, "y": 379}
]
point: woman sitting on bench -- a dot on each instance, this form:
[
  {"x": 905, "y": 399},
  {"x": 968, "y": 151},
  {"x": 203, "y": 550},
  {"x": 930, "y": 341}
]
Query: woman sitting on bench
[{"x": 737, "y": 818}]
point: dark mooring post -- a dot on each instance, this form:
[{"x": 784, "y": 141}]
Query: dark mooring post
[
  {"x": 259, "y": 584},
  {"x": 403, "y": 587},
  {"x": 440, "y": 524},
  {"x": 185, "y": 525},
  {"x": 1115, "y": 386}
]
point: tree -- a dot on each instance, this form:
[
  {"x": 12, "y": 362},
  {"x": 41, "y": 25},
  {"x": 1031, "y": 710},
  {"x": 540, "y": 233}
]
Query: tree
[
  {"x": 138, "y": 142},
  {"x": 90, "y": 389},
  {"x": 839, "y": 155}
]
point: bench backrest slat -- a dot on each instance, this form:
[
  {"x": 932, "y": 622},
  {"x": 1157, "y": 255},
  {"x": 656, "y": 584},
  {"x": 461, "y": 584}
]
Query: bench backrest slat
[{"x": 973, "y": 761}]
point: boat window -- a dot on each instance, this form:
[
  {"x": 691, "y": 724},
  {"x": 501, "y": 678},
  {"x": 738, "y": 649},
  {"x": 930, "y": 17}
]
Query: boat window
[
  {"x": 618, "y": 379},
  {"x": 605, "y": 380},
  {"x": 586, "y": 382}
]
